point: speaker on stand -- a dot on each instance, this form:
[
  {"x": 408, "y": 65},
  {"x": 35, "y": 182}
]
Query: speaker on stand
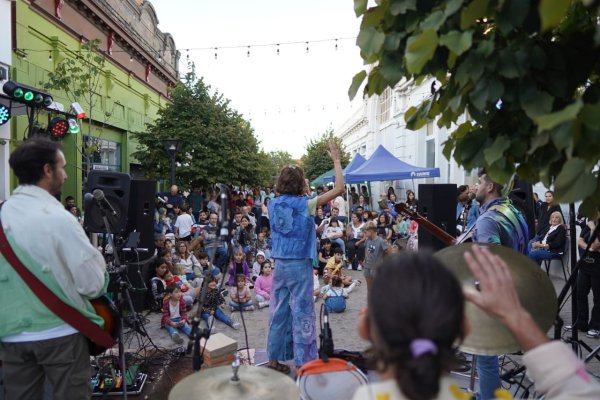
[
  {"x": 110, "y": 190},
  {"x": 141, "y": 215},
  {"x": 437, "y": 203}
]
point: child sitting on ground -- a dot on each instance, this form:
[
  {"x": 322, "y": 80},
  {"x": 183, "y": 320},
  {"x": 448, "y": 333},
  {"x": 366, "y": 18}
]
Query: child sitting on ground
[
  {"x": 205, "y": 266},
  {"x": 174, "y": 315},
  {"x": 257, "y": 266},
  {"x": 240, "y": 297},
  {"x": 264, "y": 285},
  {"x": 238, "y": 266},
  {"x": 335, "y": 297},
  {"x": 335, "y": 266},
  {"x": 213, "y": 303},
  {"x": 179, "y": 272},
  {"x": 187, "y": 294}
]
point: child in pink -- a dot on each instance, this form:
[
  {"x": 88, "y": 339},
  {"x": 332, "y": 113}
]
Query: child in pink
[{"x": 263, "y": 285}]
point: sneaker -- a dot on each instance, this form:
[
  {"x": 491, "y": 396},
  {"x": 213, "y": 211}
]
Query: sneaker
[
  {"x": 235, "y": 325},
  {"x": 350, "y": 267},
  {"x": 177, "y": 338},
  {"x": 359, "y": 267},
  {"x": 593, "y": 333},
  {"x": 263, "y": 304},
  {"x": 231, "y": 308}
]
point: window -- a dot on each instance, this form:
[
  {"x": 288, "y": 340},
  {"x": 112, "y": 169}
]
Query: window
[
  {"x": 102, "y": 154},
  {"x": 430, "y": 154},
  {"x": 385, "y": 103}
]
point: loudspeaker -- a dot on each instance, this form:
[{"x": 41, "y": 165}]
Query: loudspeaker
[
  {"x": 141, "y": 214},
  {"x": 437, "y": 203},
  {"x": 522, "y": 198},
  {"x": 115, "y": 186}
]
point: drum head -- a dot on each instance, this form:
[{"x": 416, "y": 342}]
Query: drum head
[{"x": 326, "y": 385}]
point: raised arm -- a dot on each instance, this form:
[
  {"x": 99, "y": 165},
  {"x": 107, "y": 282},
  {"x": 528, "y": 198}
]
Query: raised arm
[{"x": 338, "y": 189}]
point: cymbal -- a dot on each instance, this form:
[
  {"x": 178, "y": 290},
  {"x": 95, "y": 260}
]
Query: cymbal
[
  {"x": 258, "y": 383},
  {"x": 536, "y": 293}
]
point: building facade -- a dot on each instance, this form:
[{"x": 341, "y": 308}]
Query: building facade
[
  {"x": 140, "y": 68},
  {"x": 381, "y": 122}
]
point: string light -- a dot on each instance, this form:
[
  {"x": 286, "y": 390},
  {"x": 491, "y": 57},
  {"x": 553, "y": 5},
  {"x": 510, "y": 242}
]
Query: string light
[
  {"x": 248, "y": 52},
  {"x": 50, "y": 56},
  {"x": 187, "y": 55},
  {"x": 130, "y": 58},
  {"x": 216, "y": 48},
  {"x": 306, "y": 47},
  {"x": 277, "y": 48},
  {"x": 336, "y": 44}
]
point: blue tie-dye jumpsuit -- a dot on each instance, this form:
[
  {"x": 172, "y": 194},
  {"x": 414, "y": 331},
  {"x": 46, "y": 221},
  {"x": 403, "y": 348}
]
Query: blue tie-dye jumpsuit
[{"x": 292, "y": 332}]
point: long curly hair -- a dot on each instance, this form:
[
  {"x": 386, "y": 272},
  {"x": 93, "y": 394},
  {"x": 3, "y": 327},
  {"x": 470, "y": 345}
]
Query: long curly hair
[{"x": 291, "y": 181}]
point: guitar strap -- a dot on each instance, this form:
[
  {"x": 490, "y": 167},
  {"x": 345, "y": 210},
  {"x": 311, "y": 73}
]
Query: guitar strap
[{"x": 64, "y": 311}]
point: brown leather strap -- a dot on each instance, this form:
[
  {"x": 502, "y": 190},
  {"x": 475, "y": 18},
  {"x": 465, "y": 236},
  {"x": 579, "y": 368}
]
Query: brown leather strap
[{"x": 64, "y": 311}]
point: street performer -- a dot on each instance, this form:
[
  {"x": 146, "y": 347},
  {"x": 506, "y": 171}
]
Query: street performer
[
  {"x": 499, "y": 222},
  {"x": 292, "y": 332},
  {"x": 35, "y": 344}
]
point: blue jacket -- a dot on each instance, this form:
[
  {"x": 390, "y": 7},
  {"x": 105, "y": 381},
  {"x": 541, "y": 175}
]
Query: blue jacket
[{"x": 292, "y": 228}]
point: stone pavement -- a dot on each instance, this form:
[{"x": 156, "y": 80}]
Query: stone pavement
[{"x": 343, "y": 328}]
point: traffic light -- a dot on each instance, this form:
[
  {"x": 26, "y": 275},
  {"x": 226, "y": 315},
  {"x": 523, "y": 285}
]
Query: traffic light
[{"x": 27, "y": 95}]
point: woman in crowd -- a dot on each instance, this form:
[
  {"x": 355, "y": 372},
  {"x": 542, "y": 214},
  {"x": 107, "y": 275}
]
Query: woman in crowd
[
  {"x": 355, "y": 243},
  {"x": 551, "y": 242}
]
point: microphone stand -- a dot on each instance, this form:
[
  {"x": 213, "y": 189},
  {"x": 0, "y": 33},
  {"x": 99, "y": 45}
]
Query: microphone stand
[
  {"x": 122, "y": 289},
  {"x": 197, "y": 332},
  {"x": 326, "y": 337}
]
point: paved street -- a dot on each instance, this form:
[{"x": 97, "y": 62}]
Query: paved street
[{"x": 343, "y": 327}]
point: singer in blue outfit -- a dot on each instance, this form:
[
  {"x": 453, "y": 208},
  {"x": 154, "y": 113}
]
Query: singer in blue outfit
[{"x": 292, "y": 332}]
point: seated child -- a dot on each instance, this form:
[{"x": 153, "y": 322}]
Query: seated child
[
  {"x": 264, "y": 285},
  {"x": 262, "y": 244},
  {"x": 206, "y": 266},
  {"x": 213, "y": 303},
  {"x": 414, "y": 336},
  {"x": 325, "y": 253},
  {"x": 240, "y": 297},
  {"x": 179, "y": 272},
  {"x": 188, "y": 293},
  {"x": 174, "y": 315},
  {"x": 335, "y": 266},
  {"x": 238, "y": 266},
  {"x": 336, "y": 295},
  {"x": 257, "y": 266}
]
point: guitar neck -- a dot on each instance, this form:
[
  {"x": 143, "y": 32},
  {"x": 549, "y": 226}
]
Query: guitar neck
[{"x": 425, "y": 223}]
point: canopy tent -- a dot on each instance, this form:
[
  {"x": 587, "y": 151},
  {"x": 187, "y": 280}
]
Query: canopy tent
[
  {"x": 383, "y": 166},
  {"x": 318, "y": 181},
  {"x": 356, "y": 162}
]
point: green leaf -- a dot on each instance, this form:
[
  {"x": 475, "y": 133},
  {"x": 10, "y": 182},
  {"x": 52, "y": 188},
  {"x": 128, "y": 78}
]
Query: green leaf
[
  {"x": 419, "y": 50},
  {"x": 360, "y": 6},
  {"x": 536, "y": 103},
  {"x": 433, "y": 21},
  {"x": 370, "y": 42},
  {"x": 452, "y": 6},
  {"x": 462, "y": 130},
  {"x": 496, "y": 151},
  {"x": 402, "y": 6},
  {"x": 552, "y": 12},
  {"x": 590, "y": 116},
  {"x": 511, "y": 15},
  {"x": 471, "y": 13},
  {"x": 457, "y": 42},
  {"x": 357, "y": 80},
  {"x": 549, "y": 121},
  {"x": 574, "y": 182}
]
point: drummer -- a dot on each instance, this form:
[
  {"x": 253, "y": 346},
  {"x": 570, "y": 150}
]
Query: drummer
[{"x": 414, "y": 336}]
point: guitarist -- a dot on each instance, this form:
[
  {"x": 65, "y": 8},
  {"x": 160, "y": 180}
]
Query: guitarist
[
  {"x": 499, "y": 222},
  {"x": 34, "y": 343}
]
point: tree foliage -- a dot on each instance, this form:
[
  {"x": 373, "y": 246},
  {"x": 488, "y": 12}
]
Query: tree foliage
[
  {"x": 526, "y": 72},
  {"x": 316, "y": 161},
  {"x": 280, "y": 159},
  {"x": 217, "y": 144},
  {"x": 81, "y": 78}
]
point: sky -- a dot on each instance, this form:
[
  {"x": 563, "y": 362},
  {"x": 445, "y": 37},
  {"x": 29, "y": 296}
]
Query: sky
[{"x": 289, "y": 98}]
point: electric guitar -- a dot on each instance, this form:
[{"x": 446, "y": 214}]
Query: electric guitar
[
  {"x": 445, "y": 237},
  {"x": 107, "y": 310}
]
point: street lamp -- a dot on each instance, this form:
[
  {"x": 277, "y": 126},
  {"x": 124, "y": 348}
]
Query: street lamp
[{"x": 172, "y": 146}]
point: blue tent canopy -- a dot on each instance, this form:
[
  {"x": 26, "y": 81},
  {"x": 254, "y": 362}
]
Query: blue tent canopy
[
  {"x": 356, "y": 162},
  {"x": 383, "y": 166}
]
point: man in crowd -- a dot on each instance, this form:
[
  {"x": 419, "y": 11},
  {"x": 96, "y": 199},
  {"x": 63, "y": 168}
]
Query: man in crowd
[
  {"x": 36, "y": 344},
  {"x": 499, "y": 222},
  {"x": 172, "y": 198}
]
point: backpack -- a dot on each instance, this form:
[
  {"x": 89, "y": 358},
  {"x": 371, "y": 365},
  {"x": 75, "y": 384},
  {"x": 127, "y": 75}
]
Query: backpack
[{"x": 337, "y": 303}]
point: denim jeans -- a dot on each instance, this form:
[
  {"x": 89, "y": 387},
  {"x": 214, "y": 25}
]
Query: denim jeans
[
  {"x": 238, "y": 306},
  {"x": 341, "y": 243},
  {"x": 292, "y": 332},
  {"x": 220, "y": 315},
  {"x": 217, "y": 255},
  {"x": 185, "y": 328},
  {"x": 538, "y": 255},
  {"x": 488, "y": 370}
]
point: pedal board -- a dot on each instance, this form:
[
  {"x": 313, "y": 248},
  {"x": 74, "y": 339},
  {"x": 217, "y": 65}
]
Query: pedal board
[{"x": 113, "y": 385}]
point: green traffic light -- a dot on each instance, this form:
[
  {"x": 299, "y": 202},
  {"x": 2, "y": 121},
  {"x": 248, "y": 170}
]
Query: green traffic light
[
  {"x": 28, "y": 96},
  {"x": 18, "y": 92}
]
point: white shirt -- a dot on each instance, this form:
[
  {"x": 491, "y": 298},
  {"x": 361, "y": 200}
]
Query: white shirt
[
  {"x": 340, "y": 203},
  {"x": 552, "y": 229},
  {"x": 184, "y": 223},
  {"x": 40, "y": 224}
]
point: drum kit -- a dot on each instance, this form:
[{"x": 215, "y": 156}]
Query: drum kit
[{"x": 338, "y": 378}]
